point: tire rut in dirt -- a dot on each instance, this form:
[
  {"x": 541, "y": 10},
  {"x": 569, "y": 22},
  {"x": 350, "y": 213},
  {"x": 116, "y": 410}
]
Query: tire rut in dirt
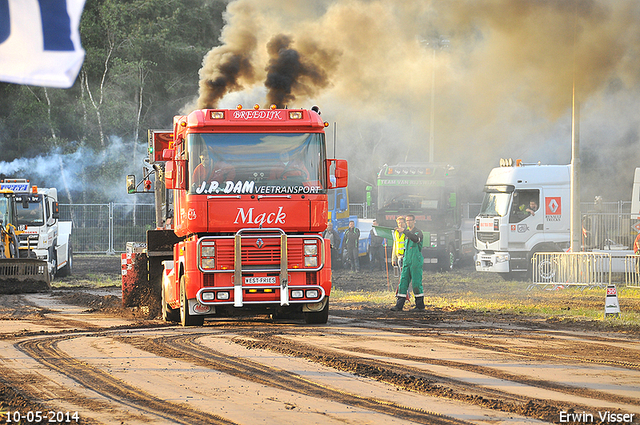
[
  {"x": 411, "y": 379},
  {"x": 582, "y": 349},
  {"x": 185, "y": 348},
  {"x": 498, "y": 374},
  {"x": 46, "y": 352}
]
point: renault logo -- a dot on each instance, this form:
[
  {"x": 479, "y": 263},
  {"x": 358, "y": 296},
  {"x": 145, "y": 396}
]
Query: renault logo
[{"x": 259, "y": 243}]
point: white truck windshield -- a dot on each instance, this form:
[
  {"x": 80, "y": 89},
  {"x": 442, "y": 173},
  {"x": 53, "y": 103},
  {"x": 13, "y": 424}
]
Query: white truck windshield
[
  {"x": 256, "y": 163},
  {"x": 29, "y": 211},
  {"x": 495, "y": 203}
]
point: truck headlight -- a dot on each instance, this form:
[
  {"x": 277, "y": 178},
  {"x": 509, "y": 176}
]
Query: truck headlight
[
  {"x": 208, "y": 255},
  {"x": 310, "y": 253},
  {"x": 434, "y": 240},
  {"x": 208, "y": 263},
  {"x": 311, "y": 249},
  {"x": 312, "y": 293},
  {"x": 502, "y": 258}
]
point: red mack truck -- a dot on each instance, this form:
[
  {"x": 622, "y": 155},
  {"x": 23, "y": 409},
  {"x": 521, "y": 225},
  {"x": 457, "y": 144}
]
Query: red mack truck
[{"x": 241, "y": 203}]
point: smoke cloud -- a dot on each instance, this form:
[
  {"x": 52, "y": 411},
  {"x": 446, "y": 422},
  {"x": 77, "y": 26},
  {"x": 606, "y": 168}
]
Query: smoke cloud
[
  {"x": 288, "y": 73},
  {"x": 500, "y": 72},
  {"x": 83, "y": 172}
]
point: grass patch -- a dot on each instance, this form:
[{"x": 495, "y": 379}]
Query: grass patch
[
  {"x": 488, "y": 294},
  {"x": 91, "y": 280}
]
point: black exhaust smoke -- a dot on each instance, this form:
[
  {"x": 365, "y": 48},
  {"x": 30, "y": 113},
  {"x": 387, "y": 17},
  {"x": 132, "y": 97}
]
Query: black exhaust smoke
[
  {"x": 287, "y": 73},
  {"x": 226, "y": 79}
]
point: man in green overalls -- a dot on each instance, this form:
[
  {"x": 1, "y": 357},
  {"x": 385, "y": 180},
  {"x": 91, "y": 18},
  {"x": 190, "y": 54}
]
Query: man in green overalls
[{"x": 412, "y": 266}]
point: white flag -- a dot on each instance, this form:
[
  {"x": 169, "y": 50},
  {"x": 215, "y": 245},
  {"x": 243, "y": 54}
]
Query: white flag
[{"x": 40, "y": 42}]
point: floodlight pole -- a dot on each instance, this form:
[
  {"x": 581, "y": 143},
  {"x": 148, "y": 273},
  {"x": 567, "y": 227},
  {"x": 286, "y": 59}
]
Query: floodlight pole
[{"x": 576, "y": 225}]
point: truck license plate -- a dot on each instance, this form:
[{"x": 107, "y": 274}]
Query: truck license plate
[{"x": 260, "y": 280}]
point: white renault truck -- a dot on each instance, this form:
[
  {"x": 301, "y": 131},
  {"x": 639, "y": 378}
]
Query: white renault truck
[
  {"x": 40, "y": 233},
  {"x": 526, "y": 209}
]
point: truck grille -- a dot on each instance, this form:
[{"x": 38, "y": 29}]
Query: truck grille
[
  {"x": 267, "y": 255},
  {"x": 28, "y": 241},
  {"x": 488, "y": 237}
]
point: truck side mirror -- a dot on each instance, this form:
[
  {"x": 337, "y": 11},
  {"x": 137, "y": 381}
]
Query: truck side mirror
[
  {"x": 131, "y": 183},
  {"x": 167, "y": 154},
  {"x": 56, "y": 210},
  {"x": 453, "y": 200},
  {"x": 343, "y": 204},
  {"x": 170, "y": 174},
  {"x": 340, "y": 172}
]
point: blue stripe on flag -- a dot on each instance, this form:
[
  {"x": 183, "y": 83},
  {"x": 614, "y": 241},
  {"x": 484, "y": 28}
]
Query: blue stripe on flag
[
  {"x": 5, "y": 21},
  {"x": 56, "y": 25}
]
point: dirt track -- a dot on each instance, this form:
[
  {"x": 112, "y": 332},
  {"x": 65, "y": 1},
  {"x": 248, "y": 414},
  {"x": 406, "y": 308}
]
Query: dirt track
[{"x": 79, "y": 350}]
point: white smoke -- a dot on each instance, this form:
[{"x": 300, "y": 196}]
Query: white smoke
[{"x": 97, "y": 175}]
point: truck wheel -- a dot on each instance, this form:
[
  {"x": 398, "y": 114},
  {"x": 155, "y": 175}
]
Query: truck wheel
[
  {"x": 317, "y": 317},
  {"x": 68, "y": 268},
  {"x": 53, "y": 263},
  {"x": 451, "y": 253},
  {"x": 169, "y": 314},
  {"x": 449, "y": 258},
  {"x": 187, "y": 319}
]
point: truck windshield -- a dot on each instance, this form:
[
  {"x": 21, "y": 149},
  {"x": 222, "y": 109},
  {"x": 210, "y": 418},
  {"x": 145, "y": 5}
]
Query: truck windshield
[
  {"x": 416, "y": 197},
  {"x": 5, "y": 211},
  {"x": 495, "y": 202},
  {"x": 29, "y": 212},
  {"x": 260, "y": 163}
]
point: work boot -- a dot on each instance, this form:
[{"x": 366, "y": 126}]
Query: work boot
[
  {"x": 419, "y": 304},
  {"x": 399, "y": 303}
]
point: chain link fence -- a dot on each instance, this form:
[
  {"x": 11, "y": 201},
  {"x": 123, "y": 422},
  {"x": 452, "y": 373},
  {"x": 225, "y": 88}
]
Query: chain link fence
[{"x": 106, "y": 228}]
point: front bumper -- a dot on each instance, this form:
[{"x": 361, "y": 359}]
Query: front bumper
[{"x": 497, "y": 262}]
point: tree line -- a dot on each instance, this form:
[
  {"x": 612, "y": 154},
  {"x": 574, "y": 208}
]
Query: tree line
[{"x": 140, "y": 69}]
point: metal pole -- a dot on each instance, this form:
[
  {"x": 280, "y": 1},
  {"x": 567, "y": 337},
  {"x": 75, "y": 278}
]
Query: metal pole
[
  {"x": 335, "y": 137},
  {"x": 110, "y": 249},
  {"x": 433, "y": 95},
  {"x": 576, "y": 226}
]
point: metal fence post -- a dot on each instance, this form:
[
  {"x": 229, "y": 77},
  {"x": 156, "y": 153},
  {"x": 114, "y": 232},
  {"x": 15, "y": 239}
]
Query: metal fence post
[{"x": 110, "y": 250}]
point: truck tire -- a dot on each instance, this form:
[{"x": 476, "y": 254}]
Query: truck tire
[
  {"x": 449, "y": 260},
  {"x": 187, "y": 319},
  {"x": 68, "y": 268},
  {"x": 53, "y": 263},
  {"x": 317, "y": 317},
  {"x": 169, "y": 314}
]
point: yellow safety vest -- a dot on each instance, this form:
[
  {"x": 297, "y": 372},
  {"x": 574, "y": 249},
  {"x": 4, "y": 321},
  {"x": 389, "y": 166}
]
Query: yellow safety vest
[{"x": 398, "y": 243}]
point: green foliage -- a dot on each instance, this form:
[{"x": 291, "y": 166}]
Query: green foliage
[{"x": 141, "y": 68}]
